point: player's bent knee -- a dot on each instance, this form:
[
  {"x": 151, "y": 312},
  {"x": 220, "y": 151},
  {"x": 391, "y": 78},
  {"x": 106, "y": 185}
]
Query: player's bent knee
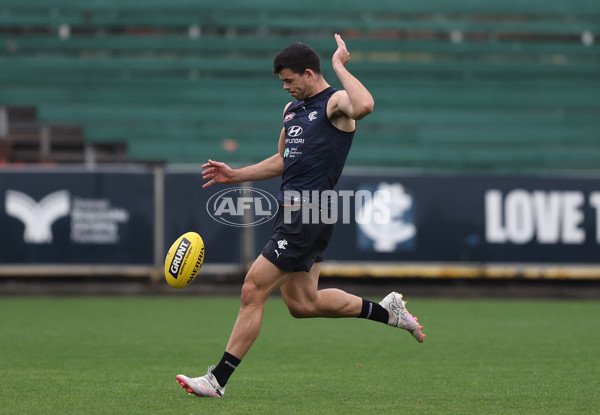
[
  {"x": 250, "y": 293},
  {"x": 298, "y": 313},
  {"x": 299, "y": 310}
]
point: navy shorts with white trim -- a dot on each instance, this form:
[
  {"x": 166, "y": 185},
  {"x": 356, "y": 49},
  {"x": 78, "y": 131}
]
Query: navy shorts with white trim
[{"x": 296, "y": 246}]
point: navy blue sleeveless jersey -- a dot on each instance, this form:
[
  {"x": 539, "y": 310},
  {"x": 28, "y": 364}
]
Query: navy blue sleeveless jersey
[{"x": 315, "y": 150}]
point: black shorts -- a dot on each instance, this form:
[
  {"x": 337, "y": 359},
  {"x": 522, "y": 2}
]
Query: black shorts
[{"x": 296, "y": 246}]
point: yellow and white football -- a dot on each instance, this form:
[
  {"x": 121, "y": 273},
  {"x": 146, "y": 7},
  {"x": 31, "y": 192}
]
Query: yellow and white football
[{"x": 184, "y": 259}]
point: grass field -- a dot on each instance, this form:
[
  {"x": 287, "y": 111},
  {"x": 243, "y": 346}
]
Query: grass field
[{"x": 120, "y": 356}]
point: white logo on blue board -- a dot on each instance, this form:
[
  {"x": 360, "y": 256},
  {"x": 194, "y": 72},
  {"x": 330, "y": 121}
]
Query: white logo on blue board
[
  {"x": 93, "y": 221},
  {"x": 38, "y": 217},
  {"x": 401, "y": 229}
]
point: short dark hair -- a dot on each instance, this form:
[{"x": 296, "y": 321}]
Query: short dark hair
[{"x": 297, "y": 57}]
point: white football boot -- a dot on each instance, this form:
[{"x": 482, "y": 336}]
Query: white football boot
[
  {"x": 400, "y": 317},
  {"x": 203, "y": 386}
]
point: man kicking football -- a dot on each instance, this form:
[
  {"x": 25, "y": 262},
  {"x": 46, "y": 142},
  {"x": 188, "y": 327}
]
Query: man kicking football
[{"x": 318, "y": 128}]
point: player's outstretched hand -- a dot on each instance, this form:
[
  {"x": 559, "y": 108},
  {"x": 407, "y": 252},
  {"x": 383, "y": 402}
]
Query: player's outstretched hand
[
  {"x": 341, "y": 55},
  {"x": 216, "y": 172}
]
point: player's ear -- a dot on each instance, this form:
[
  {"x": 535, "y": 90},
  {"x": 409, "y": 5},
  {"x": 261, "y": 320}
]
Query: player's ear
[{"x": 309, "y": 74}]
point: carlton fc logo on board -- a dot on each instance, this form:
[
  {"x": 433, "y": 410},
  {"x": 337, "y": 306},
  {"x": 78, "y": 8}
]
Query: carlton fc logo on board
[
  {"x": 294, "y": 131},
  {"x": 400, "y": 232}
]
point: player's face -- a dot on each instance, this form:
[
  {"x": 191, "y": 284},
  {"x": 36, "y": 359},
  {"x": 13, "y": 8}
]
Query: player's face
[{"x": 294, "y": 83}]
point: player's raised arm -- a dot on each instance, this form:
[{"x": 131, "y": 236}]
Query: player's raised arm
[{"x": 355, "y": 101}]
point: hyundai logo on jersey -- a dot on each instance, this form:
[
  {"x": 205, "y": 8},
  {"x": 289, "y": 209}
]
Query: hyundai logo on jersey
[{"x": 294, "y": 131}]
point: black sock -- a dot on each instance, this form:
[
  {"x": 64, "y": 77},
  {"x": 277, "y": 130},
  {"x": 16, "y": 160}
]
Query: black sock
[
  {"x": 225, "y": 368},
  {"x": 374, "y": 311}
]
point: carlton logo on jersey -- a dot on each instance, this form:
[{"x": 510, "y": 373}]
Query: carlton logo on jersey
[{"x": 294, "y": 131}]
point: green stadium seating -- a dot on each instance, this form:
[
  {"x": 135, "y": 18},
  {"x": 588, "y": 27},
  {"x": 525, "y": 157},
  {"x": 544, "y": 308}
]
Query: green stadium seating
[
  {"x": 124, "y": 44},
  {"x": 467, "y": 85},
  {"x": 158, "y": 7}
]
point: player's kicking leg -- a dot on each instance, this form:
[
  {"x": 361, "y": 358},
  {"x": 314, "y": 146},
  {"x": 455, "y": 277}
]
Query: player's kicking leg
[{"x": 304, "y": 300}]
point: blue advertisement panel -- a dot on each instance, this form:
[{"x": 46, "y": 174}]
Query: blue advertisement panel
[
  {"x": 487, "y": 219},
  {"x": 69, "y": 216},
  {"x": 76, "y": 217},
  {"x": 474, "y": 219}
]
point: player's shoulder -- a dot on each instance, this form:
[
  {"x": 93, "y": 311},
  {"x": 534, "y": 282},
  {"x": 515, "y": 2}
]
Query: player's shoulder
[{"x": 286, "y": 107}]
